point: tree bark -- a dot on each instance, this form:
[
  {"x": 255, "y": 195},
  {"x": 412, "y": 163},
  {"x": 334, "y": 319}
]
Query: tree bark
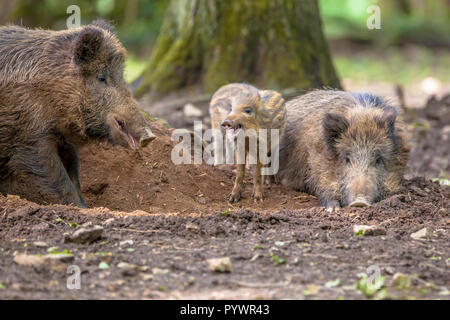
[{"x": 269, "y": 43}]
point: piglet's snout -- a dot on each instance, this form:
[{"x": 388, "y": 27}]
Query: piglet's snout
[{"x": 227, "y": 123}]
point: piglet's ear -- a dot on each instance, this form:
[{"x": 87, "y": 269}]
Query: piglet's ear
[
  {"x": 387, "y": 119},
  {"x": 333, "y": 127},
  {"x": 87, "y": 46}
]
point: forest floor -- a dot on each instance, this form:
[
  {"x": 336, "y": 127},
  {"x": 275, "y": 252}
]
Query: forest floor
[{"x": 160, "y": 223}]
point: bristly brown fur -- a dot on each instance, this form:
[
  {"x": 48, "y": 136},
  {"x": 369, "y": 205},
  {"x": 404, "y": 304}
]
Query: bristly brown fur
[
  {"x": 58, "y": 91},
  {"x": 268, "y": 111},
  {"x": 338, "y": 148}
]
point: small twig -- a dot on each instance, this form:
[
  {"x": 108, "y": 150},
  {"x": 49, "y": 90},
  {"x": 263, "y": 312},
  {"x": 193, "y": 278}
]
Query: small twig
[
  {"x": 255, "y": 285},
  {"x": 302, "y": 196},
  {"x": 195, "y": 183},
  {"x": 142, "y": 231},
  {"x": 52, "y": 224}
]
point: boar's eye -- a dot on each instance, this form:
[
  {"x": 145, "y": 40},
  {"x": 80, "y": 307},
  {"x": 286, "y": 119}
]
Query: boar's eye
[
  {"x": 248, "y": 110},
  {"x": 102, "y": 79},
  {"x": 379, "y": 160},
  {"x": 347, "y": 160}
]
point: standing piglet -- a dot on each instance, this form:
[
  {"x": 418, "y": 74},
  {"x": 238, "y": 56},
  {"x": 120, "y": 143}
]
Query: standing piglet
[
  {"x": 347, "y": 149},
  {"x": 241, "y": 109},
  {"x": 60, "y": 90}
]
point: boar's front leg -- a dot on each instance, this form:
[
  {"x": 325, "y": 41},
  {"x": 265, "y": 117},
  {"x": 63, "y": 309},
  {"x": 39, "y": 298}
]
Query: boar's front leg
[
  {"x": 69, "y": 158},
  {"x": 257, "y": 183},
  {"x": 43, "y": 160},
  {"x": 327, "y": 192},
  {"x": 238, "y": 183}
]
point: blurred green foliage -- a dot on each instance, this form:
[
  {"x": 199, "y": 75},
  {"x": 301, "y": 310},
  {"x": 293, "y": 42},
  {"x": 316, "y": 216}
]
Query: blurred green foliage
[
  {"x": 419, "y": 21},
  {"x": 137, "y": 22},
  {"x": 394, "y": 65}
]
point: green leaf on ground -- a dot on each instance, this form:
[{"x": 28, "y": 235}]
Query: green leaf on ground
[
  {"x": 53, "y": 250},
  {"x": 277, "y": 259},
  {"x": 332, "y": 283},
  {"x": 369, "y": 286}
]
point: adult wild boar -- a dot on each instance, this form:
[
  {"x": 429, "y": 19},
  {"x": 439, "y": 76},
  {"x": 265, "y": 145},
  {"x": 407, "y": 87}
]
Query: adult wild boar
[
  {"x": 348, "y": 149},
  {"x": 60, "y": 90}
]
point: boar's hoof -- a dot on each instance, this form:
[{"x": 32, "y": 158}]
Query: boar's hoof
[
  {"x": 333, "y": 206},
  {"x": 269, "y": 180},
  {"x": 360, "y": 202},
  {"x": 258, "y": 197},
  {"x": 147, "y": 137},
  {"x": 235, "y": 197}
]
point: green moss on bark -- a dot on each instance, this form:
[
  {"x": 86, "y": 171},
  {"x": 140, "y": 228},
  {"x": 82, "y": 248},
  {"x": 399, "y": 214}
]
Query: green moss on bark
[{"x": 270, "y": 43}]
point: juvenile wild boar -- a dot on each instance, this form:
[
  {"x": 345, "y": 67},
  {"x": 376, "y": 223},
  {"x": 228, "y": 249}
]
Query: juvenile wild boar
[
  {"x": 347, "y": 149},
  {"x": 60, "y": 90},
  {"x": 239, "y": 108}
]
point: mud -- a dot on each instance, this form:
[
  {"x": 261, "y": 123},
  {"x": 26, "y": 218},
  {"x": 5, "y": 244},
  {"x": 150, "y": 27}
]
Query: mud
[{"x": 167, "y": 220}]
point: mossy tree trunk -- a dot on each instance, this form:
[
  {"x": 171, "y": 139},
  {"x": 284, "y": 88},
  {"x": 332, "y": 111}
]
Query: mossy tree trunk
[{"x": 269, "y": 43}]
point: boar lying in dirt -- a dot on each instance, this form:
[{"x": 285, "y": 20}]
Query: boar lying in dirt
[
  {"x": 58, "y": 91},
  {"x": 348, "y": 149},
  {"x": 240, "y": 109}
]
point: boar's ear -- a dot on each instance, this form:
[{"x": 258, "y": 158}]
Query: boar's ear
[
  {"x": 387, "y": 122},
  {"x": 333, "y": 126},
  {"x": 87, "y": 45},
  {"x": 387, "y": 119}
]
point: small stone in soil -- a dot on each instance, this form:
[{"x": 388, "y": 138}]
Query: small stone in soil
[
  {"x": 219, "y": 264},
  {"x": 84, "y": 235},
  {"x": 126, "y": 243},
  {"x": 28, "y": 260},
  {"x": 129, "y": 269},
  {"x": 368, "y": 230},
  {"x": 40, "y": 244},
  {"x": 422, "y": 234},
  {"x": 192, "y": 227},
  {"x": 146, "y": 276},
  {"x": 159, "y": 271}
]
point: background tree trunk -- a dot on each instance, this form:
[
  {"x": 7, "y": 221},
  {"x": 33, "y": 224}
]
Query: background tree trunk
[{"x": 269, "y": 43}]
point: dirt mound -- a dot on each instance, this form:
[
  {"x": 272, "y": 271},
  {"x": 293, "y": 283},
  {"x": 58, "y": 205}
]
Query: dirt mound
[{"x": 126, "y": 180}]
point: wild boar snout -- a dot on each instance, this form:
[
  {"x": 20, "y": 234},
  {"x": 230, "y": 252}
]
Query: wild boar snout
[
  {"x": 362, "y": 190},
  {"x": 147, "y": 137}
]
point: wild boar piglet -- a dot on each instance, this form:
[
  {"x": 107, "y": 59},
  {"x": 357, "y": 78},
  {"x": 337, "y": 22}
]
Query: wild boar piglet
[{"x": 241, "y": 109}]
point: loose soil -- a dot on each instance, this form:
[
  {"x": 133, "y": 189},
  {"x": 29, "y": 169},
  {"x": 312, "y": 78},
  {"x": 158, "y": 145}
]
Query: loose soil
[{"x": 167, "y": 220}]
